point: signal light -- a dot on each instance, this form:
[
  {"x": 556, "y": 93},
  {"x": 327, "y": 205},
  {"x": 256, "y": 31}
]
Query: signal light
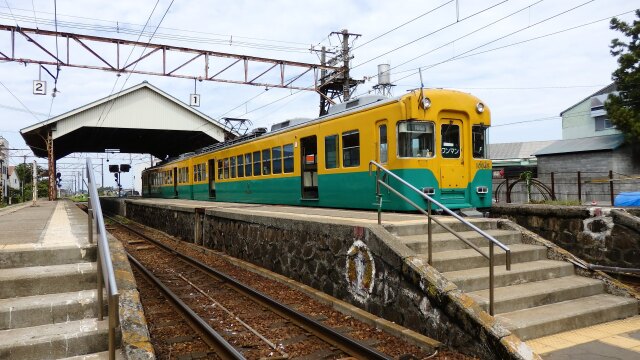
[
  {"x": 114, "y": 168},
  {"x": 125, "y": 167}
]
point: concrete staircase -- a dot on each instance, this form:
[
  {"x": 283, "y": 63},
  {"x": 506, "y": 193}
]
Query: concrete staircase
[
  {"x": 538, "y": 297},
  {"x": 48, "y": 304}
]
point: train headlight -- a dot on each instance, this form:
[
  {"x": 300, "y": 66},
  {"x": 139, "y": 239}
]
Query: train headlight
[
  {"x": 482, "y": 190},
  {"x": 426, "y": 103},
  {"x": 480, "y": 108}
]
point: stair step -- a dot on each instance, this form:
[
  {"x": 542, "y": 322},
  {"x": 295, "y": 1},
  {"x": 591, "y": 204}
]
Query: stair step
[
  {"x": 422, "y": 227},
  {"x": 478, "y": 278},
  {"x": 454, "y": 260},
  {"x": 38, "y": 280},
  {"x": 568, "y": 315},
  {"x": 55, "y": 341},
  {"x": 15, "y": 258},
  {"x": 446, "y": 241},
  {"x": 528, "y": 295},
  {"x": 47, "y": 309}
]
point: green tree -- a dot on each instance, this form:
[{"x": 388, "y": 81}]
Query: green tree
[
  {"x": 624, "y": 109},
  {"x": 25, "y": 175}
]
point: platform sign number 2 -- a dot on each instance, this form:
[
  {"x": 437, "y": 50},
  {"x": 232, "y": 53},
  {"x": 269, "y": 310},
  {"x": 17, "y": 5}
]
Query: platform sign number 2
[
  {"x": 194, "y": 100},
  {"x": 39, "y": 87}
]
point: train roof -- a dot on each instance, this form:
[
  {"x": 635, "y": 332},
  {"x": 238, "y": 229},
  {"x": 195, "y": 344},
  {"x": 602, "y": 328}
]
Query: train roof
[{"x": 345, "y": 108}]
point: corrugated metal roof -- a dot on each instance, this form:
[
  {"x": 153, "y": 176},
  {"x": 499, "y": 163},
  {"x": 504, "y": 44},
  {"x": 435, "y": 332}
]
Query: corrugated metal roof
[
  {"x": 594, "y": 143},
  {"x": 517, "y": 150}
]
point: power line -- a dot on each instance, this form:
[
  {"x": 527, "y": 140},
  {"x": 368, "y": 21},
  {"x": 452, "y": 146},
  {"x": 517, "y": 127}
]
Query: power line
[
  {"x": 467, "y": 34},
  {"x": 9, "y": 7},
  {"x": 527, "y": 121},
  {"x": 459, "y": 56},
  {"x": 143, "y": 51},
  {"x": 126, "y": 61},
  {"x": 547, "y": 35},
  {"x": 21, "y": 103},
  {"x": 33, "y": 6},
  {"x": 431, "y": 33},
  {"x": 403, "y": 24},
  {"x": 226, "y": 39}
]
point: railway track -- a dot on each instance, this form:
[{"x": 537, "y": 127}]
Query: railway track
[{"x": 234, "y": 320}]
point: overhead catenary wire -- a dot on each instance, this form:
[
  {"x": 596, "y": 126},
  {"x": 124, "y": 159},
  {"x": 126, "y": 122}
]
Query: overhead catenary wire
[
  {"x": 21, "y": 103},
  {"x": 494, "y": 40},
  {"x": 182, "y": 35},
  {"x": 430, "y": 34},
  {"x": 35, "y": 17},
  {"x": 143, "y": 51},
  {"x": 403, "y": 24},
  {"x": 414, "y": 71},
  {"x": 115, "y": 83},
  {"x": 484, "y": 27},
  {"x": 11, "y": 11}
]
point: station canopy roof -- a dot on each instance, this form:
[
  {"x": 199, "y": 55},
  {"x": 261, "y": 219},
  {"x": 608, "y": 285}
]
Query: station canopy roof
[{"x": 140, "y": 119}]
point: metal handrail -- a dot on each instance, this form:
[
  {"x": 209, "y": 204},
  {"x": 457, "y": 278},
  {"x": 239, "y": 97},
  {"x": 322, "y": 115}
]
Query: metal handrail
[
  {"x": 106, "y": 275},
  {"x": 430, "y": 201}
]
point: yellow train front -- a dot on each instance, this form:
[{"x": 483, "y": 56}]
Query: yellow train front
[{"x": 434, "y": 139}]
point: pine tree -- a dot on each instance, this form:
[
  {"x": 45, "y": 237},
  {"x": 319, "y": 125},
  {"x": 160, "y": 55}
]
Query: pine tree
[{"x": 624, "y": 108}]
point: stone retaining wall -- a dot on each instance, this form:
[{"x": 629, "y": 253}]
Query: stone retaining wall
[
  {"x": 597, "y": 235},
  {"x": 365, "y": 266}
]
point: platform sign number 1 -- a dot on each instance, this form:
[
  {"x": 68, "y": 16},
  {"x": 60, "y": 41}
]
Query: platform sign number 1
[
  {"x": 39, "y": 87},
  {"x": 194, "y": 100}
]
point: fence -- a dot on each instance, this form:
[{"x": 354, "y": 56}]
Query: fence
[{"x": 584, "y": 187}]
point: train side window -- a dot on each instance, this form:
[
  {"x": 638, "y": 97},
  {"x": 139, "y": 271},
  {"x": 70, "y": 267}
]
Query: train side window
[
  {"x": 479, "y": 141},
  {"x": 266, "y": 162},
  {"x": 331, "y": 152},
  {"x": 450, "y": 135},
  {"x": 415, "y": 139},
  {"x": 276, "y": 153},
  {"x": 247, "y": 164},
  {"x": 351, "y": 148},
  {"x": 256, "y": 163},
  {"x": 288, "y": 158},
  {"x": 384, "y": 153},
  {"x": 226, "y": 168},
  {"x": 240, "y": 166},
  {"x": 220, "y": 170},
  {"x": 233, "y": 166}
]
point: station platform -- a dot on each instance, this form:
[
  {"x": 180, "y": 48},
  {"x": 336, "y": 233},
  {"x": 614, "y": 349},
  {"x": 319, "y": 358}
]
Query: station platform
[
  {"x": 48, "y": 296},
  {"x": 617, "y": 339}
]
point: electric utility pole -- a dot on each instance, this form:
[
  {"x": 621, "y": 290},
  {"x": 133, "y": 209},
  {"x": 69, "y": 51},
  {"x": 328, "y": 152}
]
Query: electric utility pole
[{"x": 337, "y": 84}]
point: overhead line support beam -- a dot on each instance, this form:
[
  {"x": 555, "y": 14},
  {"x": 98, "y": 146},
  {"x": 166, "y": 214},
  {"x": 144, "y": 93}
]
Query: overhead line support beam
[{"x": 85, "y": 41}]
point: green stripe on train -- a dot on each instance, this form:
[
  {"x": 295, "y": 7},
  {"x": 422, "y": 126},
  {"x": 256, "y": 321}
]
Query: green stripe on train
[{"x": 352, "y": 190}]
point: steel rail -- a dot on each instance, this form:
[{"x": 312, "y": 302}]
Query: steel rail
[
  {"x": 106, "y": 275},
  {"x": 430, "y": 202},
  {"x": 220, "y": 345},
  {"x": 327, "y": 334}
]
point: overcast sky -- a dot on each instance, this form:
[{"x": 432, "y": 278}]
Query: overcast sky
[{"x": 528, "y": 83}]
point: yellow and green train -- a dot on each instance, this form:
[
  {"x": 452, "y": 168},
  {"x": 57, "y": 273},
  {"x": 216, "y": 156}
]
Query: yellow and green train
[{"x": 433, "y": 138}]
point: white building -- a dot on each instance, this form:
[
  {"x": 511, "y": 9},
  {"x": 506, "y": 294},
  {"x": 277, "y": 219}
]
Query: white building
[{"x": 588, "y": 118}]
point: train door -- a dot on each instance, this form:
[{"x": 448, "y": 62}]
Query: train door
[
  {"x": 309, "y": 168},
  {"x": 212, "y": 178},
  {"x": 453, "y": 174},
  {"x": 382, "y": 153},
  {"x": 175, "y": 182}
]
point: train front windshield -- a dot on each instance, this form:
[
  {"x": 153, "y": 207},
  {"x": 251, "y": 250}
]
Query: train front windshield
[{"x": 415, "y": 139}]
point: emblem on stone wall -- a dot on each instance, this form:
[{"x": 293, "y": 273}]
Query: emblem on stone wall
[{"x": 361, "y": 270}]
